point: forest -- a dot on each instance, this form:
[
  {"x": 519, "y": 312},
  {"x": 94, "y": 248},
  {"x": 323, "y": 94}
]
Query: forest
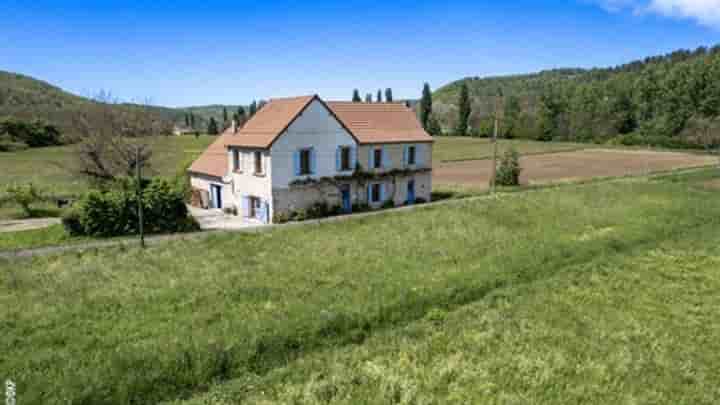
[{"x": 671, "y": 100}]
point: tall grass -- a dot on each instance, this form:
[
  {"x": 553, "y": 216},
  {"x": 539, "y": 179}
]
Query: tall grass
[{"x": 129, "y": 326}]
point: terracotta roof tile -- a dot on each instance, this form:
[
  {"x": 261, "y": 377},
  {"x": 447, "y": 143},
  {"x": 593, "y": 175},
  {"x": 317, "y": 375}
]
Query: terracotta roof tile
[
  {"x": 380, "y": 122},
  {"x": 271, "y": 121},
  {"x": 214, "y": 161}
]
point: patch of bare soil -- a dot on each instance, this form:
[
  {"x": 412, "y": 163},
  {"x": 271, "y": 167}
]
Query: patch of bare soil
[
  {"x": 568, "y": 166},
  {"x": 15, "y": 225}
]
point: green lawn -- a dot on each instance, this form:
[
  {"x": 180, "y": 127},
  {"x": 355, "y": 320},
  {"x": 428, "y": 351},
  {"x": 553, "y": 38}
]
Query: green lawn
[
  {"x": 598, "y": 293},
  {"x": 53, "y": 235}
]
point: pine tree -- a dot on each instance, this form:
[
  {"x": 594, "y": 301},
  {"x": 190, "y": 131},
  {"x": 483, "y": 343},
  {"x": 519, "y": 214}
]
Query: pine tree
[
  {"x": 212, "y": 128},
  {"x": 388, "y": 95},
  {"x": 225, "y": 116},
  {"x": 425, "y": 106},
  {"x": 379, "y": 96},
  {"x": 240, "y": 117},
  {"x": 464, "y": 111},
  {"x": 252, "y": 109},
  {"x": 368, "y": 98},
  {"x": 356, "y": 96}
]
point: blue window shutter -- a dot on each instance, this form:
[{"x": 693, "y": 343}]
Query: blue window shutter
[
  {"x": 259, "y": 211},
  {"x": 419, "y": 155},
  {"x": 371, "y": 162},
  {"x": 338, "y": 158},
  {"x": 382, "y": 192},
  {"x": 387, "y": 163},
  {"x": 353, "y": 158},
  {"x": 296, "y": 162},
  {"x": 313, "y": 161},
  {"x": 266, "y": 211}
]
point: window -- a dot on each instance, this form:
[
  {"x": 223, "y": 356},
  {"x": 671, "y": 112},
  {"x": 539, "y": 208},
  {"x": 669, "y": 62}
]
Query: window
[
  {"x": 345, "y": 159},
  {"x": 258, "y": 163},
  {"x": 254, "y": 207},
  {"x": 411, "y": 155},
  {"x": 236, "y": 160},
  {"x": 305, "y": 166},
  {"x": 375, "y": 193},
  {"x": 377, "y": 158}
]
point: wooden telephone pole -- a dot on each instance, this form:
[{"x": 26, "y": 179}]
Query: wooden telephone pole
[
  {"x": 138, "y": 175},
  {"x": 495, "y": 150}
]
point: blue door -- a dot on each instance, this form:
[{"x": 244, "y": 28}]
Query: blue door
[
  {"x": 411, "y": 192},
  {"x": 215, "y": 196},
  {"x": 346, "y": 201}
]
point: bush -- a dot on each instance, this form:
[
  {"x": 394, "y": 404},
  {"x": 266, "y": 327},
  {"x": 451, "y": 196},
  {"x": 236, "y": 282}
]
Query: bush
[
  {"x": 23, "y": 196},
  {"x": 388, "y": 204},
  {"x": 71, "y": 222},
  {"x": 508, "y": 170},
  {"x": 114, "y": 212}
]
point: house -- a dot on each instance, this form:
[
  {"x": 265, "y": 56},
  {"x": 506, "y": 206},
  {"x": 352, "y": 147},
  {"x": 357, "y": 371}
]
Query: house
[{"x": 296, "y": 152}]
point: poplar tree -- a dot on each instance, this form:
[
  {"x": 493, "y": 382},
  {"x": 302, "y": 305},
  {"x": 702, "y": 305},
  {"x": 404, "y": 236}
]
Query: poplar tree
[
  {"x": 425, "y": 106},
  {"x": 464, "y": 110},
  {"x": 356, "y": 96},
  {"x": 379, "y": 96},
  {"x": 212, "y": 128},
  {"x": 388, "y": 95},
  {"x": 252, "y": 109},
  {"x": 225, "y": 115},
  {"x": 368, "y": 98}
]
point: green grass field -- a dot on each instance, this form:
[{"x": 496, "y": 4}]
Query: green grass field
[{"x": 600, "y": 293}]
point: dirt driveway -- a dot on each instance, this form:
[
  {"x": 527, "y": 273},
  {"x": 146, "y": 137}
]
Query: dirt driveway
[
  {"x": 15, "y": 225},
  {"x": 566, "y": 166}
]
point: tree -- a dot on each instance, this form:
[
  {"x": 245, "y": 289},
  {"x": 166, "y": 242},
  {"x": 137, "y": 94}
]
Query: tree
[
  {"x": 425, "y": 106},
  {"x": 548, "y": 117},
  {"x": 225, "y": 116},
  {"x": 368, "y": 98},
  {"x": 379, "y": 96},
  {"x": 24, "y": 196},
  {"x": 187, "y": 120},
  {"x": 212, "y": 128},
  {"x": 241, "y": 118},
  {"x": 192, "y": 120},
  {"x": 388, "y": 95},
  {"x": 464, "y": 111},
  {"x": 356, "y": 96},
  {"x": 252, "y": 109},
  {"x": 434, "y": 127}
]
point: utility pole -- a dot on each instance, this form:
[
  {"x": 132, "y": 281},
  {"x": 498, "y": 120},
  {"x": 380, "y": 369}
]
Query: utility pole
[
  {"x": 495, "y": 151},
  {"x": 138, "y": 175}
]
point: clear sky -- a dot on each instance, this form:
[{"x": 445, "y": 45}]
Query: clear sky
[{"x": 181, "y": 53}]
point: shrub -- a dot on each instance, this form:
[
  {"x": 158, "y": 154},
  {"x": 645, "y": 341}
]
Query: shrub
[
  {"x": 114, "y": 212},
  {"x": 23, "y": 196},
  {"x": 71, "y": 222},
  {"x": 388, "y": 204},
  {"x": 508, "y": 170}
]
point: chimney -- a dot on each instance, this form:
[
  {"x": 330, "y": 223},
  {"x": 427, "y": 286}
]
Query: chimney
[{"x": 234, "y": 127}]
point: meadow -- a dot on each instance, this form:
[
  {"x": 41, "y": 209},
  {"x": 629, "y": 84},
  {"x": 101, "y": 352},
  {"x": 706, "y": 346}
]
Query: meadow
[{"x": 595, "y": 293}]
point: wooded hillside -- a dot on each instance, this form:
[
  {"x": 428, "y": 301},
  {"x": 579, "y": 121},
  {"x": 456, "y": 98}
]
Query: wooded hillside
[{"x": 670, "y": 100}]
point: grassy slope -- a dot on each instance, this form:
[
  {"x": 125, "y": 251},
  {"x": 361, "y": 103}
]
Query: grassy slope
[{"x": 593, "y": 288}]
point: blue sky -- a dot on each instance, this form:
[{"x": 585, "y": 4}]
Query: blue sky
[{"x": 183, "y": 53}]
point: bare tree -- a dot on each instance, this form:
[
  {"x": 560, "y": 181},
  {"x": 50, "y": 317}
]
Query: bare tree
[{"x": 113, "y": 138}]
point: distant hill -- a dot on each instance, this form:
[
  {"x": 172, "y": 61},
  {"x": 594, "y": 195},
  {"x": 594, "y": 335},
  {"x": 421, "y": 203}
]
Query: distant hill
[
  {"x": 669, "y": 100},
  {"x": 27, "y": 98}
]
